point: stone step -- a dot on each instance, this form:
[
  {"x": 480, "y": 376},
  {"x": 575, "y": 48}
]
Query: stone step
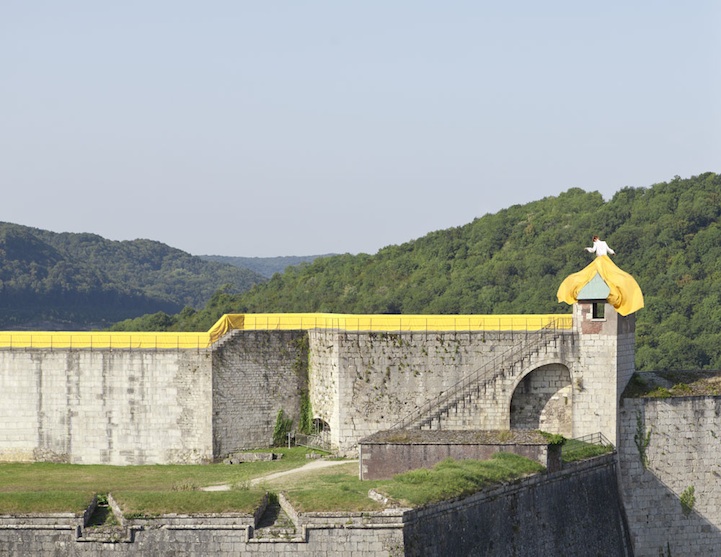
[{"x": 275, "y": 523}]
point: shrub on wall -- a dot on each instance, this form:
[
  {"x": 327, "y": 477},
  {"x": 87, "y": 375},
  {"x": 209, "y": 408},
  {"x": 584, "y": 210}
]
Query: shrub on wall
[
  {"x": 688, "y": 500},
  {"x": 282, "y": 429},
  {"x": 305, "y": 422},
  {"x": 642, "y": 438}
]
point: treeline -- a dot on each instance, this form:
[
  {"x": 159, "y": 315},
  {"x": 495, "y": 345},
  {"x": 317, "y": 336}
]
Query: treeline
[
  {"x": 667, "y": 235},
  {"x": 266, "y": 266},
  {"x": 50, "y": 280}
]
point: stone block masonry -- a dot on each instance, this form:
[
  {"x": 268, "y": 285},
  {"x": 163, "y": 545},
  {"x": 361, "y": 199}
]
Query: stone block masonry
[
  {"x": 188, "y": 405},
  {"x": 256, "y": 374},
  {"x": 106, "y": 406},
  {"x": 606, "y": 349},
  {"x": 363, "y": 382},
  {"x": 574, "y": 512},
  {"x": 671, "y": 485}
]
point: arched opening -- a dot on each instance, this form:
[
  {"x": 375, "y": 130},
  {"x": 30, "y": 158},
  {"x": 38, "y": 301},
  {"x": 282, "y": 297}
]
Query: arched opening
[
  {"x": 320, "y": 426},
  {"x": 542, "y": 400}
]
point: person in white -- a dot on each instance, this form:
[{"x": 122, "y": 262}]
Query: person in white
[{"x": 600, "y": 247}]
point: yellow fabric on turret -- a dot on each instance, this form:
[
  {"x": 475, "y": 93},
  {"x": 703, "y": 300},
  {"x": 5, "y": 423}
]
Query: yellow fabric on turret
[{"x": 625, "y": 296}]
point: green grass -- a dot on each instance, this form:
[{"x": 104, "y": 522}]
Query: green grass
[
  {"x": 574, "y": 450},
  {"x": 151, "y": 503},
  {"x": 339, "y": 489},
  {"x": 666, "y": 384},
  {"x": 40, "y": 502},
  {"x": 456, "y": 478},
  {"x": 47, "y": 487},
  {"x": 155, "y": 490},
  {"x": 330, "y": 489}
]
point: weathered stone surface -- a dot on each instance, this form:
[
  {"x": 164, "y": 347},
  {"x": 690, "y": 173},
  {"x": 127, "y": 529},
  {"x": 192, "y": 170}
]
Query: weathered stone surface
[
  {"x": 106, "y": 406},
  {"x": 683, "y": 456},
  {"x": 387, "y": 453}
]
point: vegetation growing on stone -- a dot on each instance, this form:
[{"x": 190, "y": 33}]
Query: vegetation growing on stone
[
  {"x": 642, "y": 439},
  {"x": 283, "y": 426},
  {"x": 666, "y": 384},
  {"x": 456, "y": 478},
  {"x": 688, "y": 500}
]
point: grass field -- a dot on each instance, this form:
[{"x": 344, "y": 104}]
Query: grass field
[
  {"x": 339, "y": 488},
  {"x": 156, "y": 490}
]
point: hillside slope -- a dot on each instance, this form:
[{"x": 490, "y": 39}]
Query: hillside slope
[
  {"x": 667, "y": 235},
  {"x": 265, "y": 266},
  {"x": 51, "y": 280}
]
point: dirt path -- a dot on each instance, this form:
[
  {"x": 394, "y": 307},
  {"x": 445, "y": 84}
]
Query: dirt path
[{"x": 313, "y": 465}]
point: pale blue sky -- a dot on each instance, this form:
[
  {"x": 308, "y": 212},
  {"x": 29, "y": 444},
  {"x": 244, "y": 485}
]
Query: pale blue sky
[{"x": 292, "y": 128}]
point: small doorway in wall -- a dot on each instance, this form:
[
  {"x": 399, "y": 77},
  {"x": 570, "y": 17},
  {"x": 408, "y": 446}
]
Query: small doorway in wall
[
  {"x": 320, "y": 426},
  {"x": 319, "y": 438}
]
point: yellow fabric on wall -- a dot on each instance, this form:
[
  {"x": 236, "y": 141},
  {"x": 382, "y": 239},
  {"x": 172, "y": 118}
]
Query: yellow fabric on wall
[
  {"x": 625, "y": 296},
  {"x": 385, "y": 323},
  {"x": 279, "y": 321},
  {"x": 225, "y": 324},
  {"x": 102, "y": 340}
]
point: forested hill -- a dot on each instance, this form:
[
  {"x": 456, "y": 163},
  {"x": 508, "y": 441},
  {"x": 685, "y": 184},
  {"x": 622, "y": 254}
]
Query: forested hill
[
  {"x": 76, "y": 281},
  {"x": 266, "y": 266},
  {"x": 667, "y": 235}
]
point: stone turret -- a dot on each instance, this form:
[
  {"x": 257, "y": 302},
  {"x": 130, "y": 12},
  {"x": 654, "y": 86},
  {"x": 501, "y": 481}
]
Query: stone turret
[{"x": 606, "y": 359}]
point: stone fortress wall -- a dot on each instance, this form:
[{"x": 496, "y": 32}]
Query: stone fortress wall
[
  {"x": 106, "y": 406},
  {"x": 365, "y": 382},
  {"x": 143, "y": 406},
  {"x": 669, "y": 454},
  {"x": 156, "y": 406}
]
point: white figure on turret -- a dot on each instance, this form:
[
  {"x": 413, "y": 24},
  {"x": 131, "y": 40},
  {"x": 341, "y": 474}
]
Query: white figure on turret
[{"x": 600, "y": 247}]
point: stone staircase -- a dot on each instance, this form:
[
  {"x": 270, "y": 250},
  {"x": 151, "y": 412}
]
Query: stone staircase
[
  {"x": 275, "y": 524},
  {"x": 456, "y": 407}
]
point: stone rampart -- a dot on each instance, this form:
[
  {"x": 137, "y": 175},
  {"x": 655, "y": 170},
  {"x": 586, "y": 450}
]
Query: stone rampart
[
  {"x": 670, "y": 473},
  {"x": 110, "y": 406},
  {"x": 256, "y": 374},
  {"x": 574, "y": 512},
  {"x": 106, "y": 406},
  {"x": 365, "y": 382}
]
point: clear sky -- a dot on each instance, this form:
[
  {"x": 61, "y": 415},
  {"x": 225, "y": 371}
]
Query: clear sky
[{"x": 305, "y": 127}]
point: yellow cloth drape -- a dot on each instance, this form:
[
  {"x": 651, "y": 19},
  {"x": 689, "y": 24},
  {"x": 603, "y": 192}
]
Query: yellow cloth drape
[
  {"x": 625, "y": 296},
  {"x": 227, "y": 323}
]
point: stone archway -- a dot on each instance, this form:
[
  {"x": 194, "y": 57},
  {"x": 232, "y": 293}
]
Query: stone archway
[
  {"x": 542, "y": 400},
  {"x": 320, "y": 426}
]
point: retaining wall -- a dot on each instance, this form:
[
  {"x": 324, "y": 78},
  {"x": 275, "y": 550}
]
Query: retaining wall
[
  {"x": 575, "y": 512},
  {"x": 683, "y": 454}
]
